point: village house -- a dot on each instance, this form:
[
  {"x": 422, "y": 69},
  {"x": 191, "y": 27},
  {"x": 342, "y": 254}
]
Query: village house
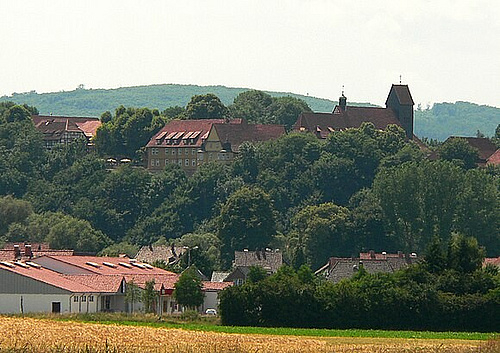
[
  {"x": 76, "y": 284},
  {"x": 338, "y": 268},
  {"x": 57, "y": 130},
  {"x": 398, "y": 111},
  {"x": 190, "y": 143},
  {"x": 269, "y": 260}
]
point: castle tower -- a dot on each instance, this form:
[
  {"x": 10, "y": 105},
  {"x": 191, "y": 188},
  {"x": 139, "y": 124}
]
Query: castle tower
[{"x": 401, "y": 102}]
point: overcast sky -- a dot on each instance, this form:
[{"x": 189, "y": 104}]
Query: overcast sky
[{"x": 445, "y": 50}]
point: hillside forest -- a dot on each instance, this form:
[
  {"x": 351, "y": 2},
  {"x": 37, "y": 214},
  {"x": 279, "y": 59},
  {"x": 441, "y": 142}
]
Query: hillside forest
[
  {"x": 436, "y": 122},
  {"x": 358, "y": 190}
]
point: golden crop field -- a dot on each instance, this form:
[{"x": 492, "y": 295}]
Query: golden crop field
[{"x": 43, "y": 335}]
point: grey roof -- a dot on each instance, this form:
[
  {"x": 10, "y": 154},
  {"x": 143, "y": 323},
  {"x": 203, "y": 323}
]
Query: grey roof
[
  {"x": 339, "y": 268},
  {"x": 219, "y": 276},
  {"x": 152, "y": 253},
  {"x": 271, "y": 261}
]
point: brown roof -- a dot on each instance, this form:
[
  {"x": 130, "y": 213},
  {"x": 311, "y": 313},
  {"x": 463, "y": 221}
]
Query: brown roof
[
  {"x": 180, "y": 128},
  {"x": 269, "y": 260},
  {"x": 403, "y": 94},
  {"x": 233, "y": 131},
  {"x": 236, "y": 134},
  {"x": 56, "y": 125},
  {"x": 322, "y": 124},
  {"x": 99, "y": 283}
]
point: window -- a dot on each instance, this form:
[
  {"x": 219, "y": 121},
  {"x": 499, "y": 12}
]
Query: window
[
  {"x": 91, "y": 298},
  {"x": 193, "y": 151},
  {"x": 173, "y": 150},
  {"x": 209, "y": 155},
  {"x": 186, "y": 151},
  {"x": 75, "y": 299},
  {"x": 200, "y": 156},
  {"x": 157, "y": 162},
  {"x": 179, "y": 151},
  {"x": 84, "y": 298},
  {"x": 152, "y": 162},
  {"x": 186, "y": 162},
  {"x": 154, "y": 151},
  {"x": 193, "y": 162},
  {"x": 179, "y": 162}
]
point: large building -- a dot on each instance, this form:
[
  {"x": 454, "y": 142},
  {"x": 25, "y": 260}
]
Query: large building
[
  {"x": 81, "y": 284},
  {"x": 398, "y": 110},
  {"x": 63, "y": 130},
  {"x": 190, "y": 143}
]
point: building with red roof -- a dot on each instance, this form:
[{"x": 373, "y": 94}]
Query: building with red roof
[
  {"x": 190, "y": 143},
  {"x": 398, "y": 111},
  {"x": 75, "y": 284},
  {"x": 58, "y": 130}
]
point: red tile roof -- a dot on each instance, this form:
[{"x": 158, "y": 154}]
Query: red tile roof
[
  {"x": 494, "y": 159},
  {"x": 86, "y": 262},
  {"x": 50, "y": 277},
  {"x": 99, "y": 283}
]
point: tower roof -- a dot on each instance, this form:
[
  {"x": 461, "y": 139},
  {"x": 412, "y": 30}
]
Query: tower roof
[{"x": 402, "y": 93}]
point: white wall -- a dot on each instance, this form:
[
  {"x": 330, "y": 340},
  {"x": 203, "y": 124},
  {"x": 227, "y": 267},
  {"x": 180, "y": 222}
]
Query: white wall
[
  {"x": 38, "y": 303},
  {"x": 32, "y": 303},
  {"x": 211, "y": 301}
]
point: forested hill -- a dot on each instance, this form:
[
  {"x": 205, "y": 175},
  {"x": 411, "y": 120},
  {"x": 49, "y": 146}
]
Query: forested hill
[
  {"x": 438, "y": 122},
  {"x": 456, "y": 119},
  {"x": 93, "y": 102}
]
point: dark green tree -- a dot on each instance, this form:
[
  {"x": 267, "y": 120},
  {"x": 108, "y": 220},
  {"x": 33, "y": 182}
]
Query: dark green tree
[
  {"x": 188, "y": 289},
  {"x": 206, "y": 106},
  {"x": 246, "y": 221},
  {"x": 149, "y": 296},
  {"x": 458, "y": 149}
]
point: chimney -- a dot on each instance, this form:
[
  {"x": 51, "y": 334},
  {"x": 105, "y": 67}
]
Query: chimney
[
  {"x": 27, "y": 251},
  {"x": 17, "y": 252},
  {"x": 372, "y": 254}
]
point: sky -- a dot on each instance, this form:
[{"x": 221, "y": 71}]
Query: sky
[{"x": 445, "y": 50}]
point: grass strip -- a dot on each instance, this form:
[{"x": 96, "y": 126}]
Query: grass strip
[{"x": 285, "y": 331}]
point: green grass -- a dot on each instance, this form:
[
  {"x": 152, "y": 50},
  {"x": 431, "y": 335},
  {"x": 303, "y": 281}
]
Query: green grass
[{"x": 210, "y": 324}]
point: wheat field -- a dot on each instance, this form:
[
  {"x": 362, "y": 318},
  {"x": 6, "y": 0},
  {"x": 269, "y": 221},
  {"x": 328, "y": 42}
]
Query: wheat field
[{"x": 43, "y": 335}]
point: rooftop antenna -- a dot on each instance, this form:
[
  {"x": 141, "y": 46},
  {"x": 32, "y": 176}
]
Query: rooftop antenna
[
  {"x": 342, "y": 89},
  {"x": 399, "y": 79}
]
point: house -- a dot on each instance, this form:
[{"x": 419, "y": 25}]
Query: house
[
  {"x": 75, "y": 284},
  {"x": 27, "y": 251},
  {"x": 269, "y": 260},
  {"x": 167, "y": 254},
  {"x": 338, "y": 268},
  {"x": 484, "y": 146},
  {"x": 190, "y": 143},
  {"x": 398, "y": 110},
  {"x": 58, "y": 130}
]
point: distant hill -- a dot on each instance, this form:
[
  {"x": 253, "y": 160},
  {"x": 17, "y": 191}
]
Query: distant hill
[
  {"x": 438, "y": 122},
  {"x": 456, "y": 119},
  {"x": 93, "y": 102}
]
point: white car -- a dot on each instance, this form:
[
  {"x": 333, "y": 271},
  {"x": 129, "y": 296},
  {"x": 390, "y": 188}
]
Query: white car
[{"x": 211, "y": 312}]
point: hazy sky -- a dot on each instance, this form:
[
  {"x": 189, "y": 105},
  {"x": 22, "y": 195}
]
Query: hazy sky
[{"x": 445, "y": 50}]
